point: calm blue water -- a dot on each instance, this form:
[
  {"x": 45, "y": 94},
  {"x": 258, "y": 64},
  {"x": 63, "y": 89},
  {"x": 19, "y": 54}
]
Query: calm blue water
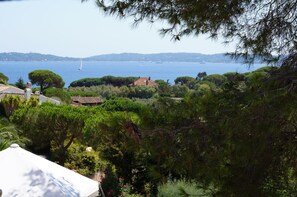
[{"x": 165, "y": 70}]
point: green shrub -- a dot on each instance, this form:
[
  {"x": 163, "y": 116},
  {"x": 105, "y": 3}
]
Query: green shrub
[
  {"x": 180, "y": 90},
  {"x": 106, "y": 80},
  {"x": 105, "y": 91},
  {"x": 110, "y": 183},
  {"x": 84, "y": 162},
  {"x": 133, "y": 195},
  {"x": 86, "y": 82},
  {"x": 58, "y": 93},
  {"x": 109, "y": 91},
  {"x": 216, "y": 79},
  {"x": 181, "y": 188},
  {"x": 20, "y": 83},
  {"x": 3, "y": 78},
  {"x": 9, "y": 134},
  {"x": 10, "y": 103},
  {"x": 118, "y": 81},
  {"x": 81, "y": 93},
  {"x": 142, "y": 92},
  {"x": 122, "y": 104}
]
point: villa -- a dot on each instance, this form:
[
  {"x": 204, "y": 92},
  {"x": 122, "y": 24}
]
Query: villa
[
  {"x": 27, "y": 93},
  {"x": 144, "y": 81}
]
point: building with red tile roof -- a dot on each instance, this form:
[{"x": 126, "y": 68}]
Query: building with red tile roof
[{"x": 144, "y": 81}]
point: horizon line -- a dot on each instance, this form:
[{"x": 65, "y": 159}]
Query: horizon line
[{"x": 119, "y": 53}]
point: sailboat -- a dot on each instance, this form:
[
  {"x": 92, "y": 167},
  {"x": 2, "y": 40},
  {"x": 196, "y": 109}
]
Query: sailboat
[{"x": 80, "y": 67}]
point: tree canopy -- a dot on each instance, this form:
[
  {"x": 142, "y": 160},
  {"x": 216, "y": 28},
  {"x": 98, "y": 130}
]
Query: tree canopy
[
  {"x": 20, "y": 83},
  {"x": 46, "y": 79},
  {"x": 54, "y": 125},
  {"x": 260, "y": 28},
  {"x": 3, "y": 78},
  {"x": 9, "y": 134},
  {"x": 232, "y": 134},
  {"x": 215, "y": 78},
  {"x": 106, "y": 80},
  {"x": 58, "y": 93}
]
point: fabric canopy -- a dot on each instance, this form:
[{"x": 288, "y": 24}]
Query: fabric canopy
[{"x": 25, "y": 174}]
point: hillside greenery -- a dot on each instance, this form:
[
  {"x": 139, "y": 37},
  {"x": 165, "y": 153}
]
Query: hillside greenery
[
  {"x": 213, "y": 135},
  {"x": 226, "y": 135},
  {"x": 106, "y": 80}
]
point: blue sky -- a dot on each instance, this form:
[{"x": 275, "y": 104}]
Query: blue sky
[{"x": 72, "y": 28}]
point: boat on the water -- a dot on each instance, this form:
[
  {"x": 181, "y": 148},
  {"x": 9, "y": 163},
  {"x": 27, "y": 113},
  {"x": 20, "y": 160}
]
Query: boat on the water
[{"x": 81, "y": 65}]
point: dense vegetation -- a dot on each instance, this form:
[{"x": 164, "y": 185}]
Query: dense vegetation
[
  {"x": 229, "y": 135},
  {"x": 106, "y": 80},
  {"x": 118, "y": 88},
  {"x": 10, "y": 134}
]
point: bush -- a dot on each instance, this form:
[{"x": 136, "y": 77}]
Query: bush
[
  {"x": 164, "y": 89},
  {"x": 3, "y": 78},
  {"x": 122, "y": 104},
  {"x": 180, "y": 90},
  {"x": 58, "y": 93},
  {"x": 133, "y": 195},
  {"x": 216, "y": 79},
  {"x": 20, "y": 83},
  {"x": 84, "y": 162},
  {"x": 110, "y": 183},
  {"x": 181, "y": 188},
  {"x": 105, "y": 91},
  {"x": 81, "y": 93},
  {"x": 118, "y": 81},
  {"x": 9, "y": 134},
  {"x": 86, "y": 82},
  {"x": 109, "y": 91},
  {"x": 11, "y": 103},
  {"x": 106, "y": 80},
  {"x": 141, "y": 92}
]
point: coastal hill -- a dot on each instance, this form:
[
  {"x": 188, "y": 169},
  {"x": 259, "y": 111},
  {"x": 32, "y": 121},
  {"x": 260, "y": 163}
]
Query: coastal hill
[
  {"x": 157, "y": 57},
  {"x": 13, "y": 56},
  {"x": 163, "y": 57}
]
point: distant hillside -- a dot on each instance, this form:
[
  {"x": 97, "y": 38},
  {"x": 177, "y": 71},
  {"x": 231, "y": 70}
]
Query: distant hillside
[
  {"x": 158, "y": 57},
  {"x": 32, "y": 57}
]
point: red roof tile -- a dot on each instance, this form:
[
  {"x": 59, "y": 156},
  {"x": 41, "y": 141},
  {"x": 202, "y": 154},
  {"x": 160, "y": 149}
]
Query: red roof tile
[{"x": 144, "y": 81}]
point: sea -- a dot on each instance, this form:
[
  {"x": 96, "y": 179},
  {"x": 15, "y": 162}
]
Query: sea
[{"x": 69, "y": 70}]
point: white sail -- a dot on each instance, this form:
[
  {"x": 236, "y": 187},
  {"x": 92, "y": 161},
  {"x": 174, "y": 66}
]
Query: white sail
[{"x": 81, "y": 65}]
